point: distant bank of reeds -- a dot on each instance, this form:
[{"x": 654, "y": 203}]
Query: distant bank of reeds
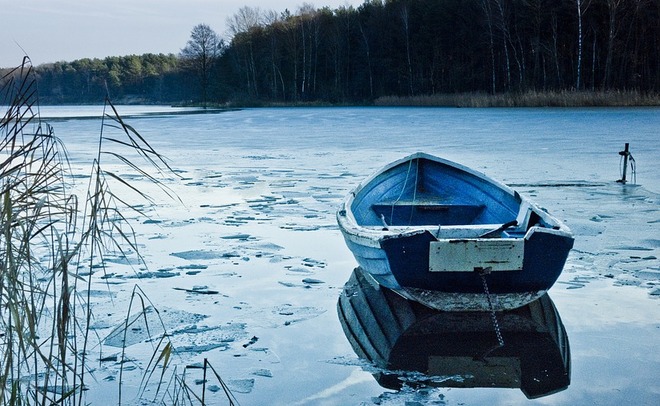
[
  {"x": 560, "y": 98},
  {"x": 563, "y": 98}
]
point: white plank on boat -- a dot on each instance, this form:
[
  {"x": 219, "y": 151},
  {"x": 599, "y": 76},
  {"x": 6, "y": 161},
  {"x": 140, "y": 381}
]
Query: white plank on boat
[{"x": 498, "y": 254}]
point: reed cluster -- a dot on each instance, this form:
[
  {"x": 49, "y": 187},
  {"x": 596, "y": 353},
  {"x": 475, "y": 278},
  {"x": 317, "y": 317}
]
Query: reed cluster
[
  {"x": 52, "y": 243},
  {"x": 563, "y": 98}
]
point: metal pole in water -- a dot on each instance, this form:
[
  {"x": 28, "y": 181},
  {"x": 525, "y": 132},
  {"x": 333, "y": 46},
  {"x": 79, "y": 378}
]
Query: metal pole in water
[
  {"x": 204, "y": 382},
  {"x": 625, "y": 153}
]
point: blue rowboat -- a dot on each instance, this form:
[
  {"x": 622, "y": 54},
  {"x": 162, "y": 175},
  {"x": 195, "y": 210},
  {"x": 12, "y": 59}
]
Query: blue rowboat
[{"x": 452, "y": 238}]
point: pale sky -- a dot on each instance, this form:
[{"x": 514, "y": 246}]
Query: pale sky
[{"x": 66, "y": 30}]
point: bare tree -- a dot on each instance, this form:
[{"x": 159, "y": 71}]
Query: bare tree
[
  {"x": 405, "y": 20},
  {"x": 247, "y": 18},
  {"x": 505, "y": 39},
  {"x": 240, "y": 27},
  {"x": 612, "y": 10},
  {"x": 368, "y": 55},
  {"x": 310, "y": 40},
  {"x": 199, "y": 54},
  {"x": 485, "y": 5},
  {"x": 582, "y": 6}
]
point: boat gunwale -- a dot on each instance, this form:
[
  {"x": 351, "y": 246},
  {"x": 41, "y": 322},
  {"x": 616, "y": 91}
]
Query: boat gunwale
[{"x": 374, "y": 234}]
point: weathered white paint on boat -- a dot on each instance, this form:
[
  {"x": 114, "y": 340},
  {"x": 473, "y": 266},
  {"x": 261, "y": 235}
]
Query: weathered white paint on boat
[{"x": 467, "y": 255}]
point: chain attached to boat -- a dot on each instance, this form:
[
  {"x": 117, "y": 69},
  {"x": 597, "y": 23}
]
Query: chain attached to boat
[{"x": 482, "y": 273}]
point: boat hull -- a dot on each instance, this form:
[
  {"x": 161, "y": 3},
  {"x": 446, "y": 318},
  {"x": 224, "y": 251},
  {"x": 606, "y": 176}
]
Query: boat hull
[
  {"x": 458, "y": 267},
  {"x": 402, "y": 265}
]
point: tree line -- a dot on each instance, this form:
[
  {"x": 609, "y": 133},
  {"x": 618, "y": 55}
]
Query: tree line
[
  {"x": 146, "y": 78},
  {"x": 388, "y": 48}
]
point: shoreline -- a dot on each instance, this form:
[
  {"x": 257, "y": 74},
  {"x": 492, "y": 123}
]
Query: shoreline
[{"x": 564, "y": 98}]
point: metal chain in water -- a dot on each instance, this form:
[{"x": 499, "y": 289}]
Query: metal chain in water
[{"x": 493, "y": 316}]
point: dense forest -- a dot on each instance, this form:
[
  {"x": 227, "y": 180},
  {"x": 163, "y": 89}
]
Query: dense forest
[{"x": 386, "y": 48}]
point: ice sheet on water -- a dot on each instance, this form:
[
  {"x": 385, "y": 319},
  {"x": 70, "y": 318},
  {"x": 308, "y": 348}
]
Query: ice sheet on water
[
  {"x": 241, "y": 385},
  {"x": 196, "y": 255},
  {"x": 149, "y": 323},
  {"x": 273, "y": 178},
  {"x": 263, "y": 372},
  {"x": 239, "y": 236}
]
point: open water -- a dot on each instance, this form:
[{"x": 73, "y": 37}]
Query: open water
[{"x": 255, "y": 231}]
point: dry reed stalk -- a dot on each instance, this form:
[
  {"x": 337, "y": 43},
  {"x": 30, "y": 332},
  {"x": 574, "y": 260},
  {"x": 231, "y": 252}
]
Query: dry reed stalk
[{"x": 51, "y": 243}]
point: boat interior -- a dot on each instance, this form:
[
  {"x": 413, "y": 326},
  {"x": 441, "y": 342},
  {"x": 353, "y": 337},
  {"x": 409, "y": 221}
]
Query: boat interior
[
  {"x": 460, "y": 220},
  {"x": 526, "y": 219},
  {"x": 417, "y": 213},
  {"x": 444, "y": 200}
]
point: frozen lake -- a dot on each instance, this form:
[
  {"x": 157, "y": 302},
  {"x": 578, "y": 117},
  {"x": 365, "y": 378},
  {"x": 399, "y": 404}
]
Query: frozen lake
[{"x": 259, "y": 190}]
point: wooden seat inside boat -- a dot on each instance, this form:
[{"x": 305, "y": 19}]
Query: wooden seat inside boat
[{"x": 427, "y": 213}]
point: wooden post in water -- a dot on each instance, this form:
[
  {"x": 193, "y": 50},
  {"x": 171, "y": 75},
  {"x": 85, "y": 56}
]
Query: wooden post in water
[{"x": 625, "y": 153}]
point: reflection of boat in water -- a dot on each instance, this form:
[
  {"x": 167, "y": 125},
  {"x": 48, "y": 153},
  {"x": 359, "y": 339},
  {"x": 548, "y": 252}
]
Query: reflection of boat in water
[{"x": 455, "y": 349}]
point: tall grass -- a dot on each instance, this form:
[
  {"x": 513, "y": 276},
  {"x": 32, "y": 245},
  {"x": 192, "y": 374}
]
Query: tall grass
[
  {"x": 52, "y": 242},
  {"x": 564, "y": 98}
]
